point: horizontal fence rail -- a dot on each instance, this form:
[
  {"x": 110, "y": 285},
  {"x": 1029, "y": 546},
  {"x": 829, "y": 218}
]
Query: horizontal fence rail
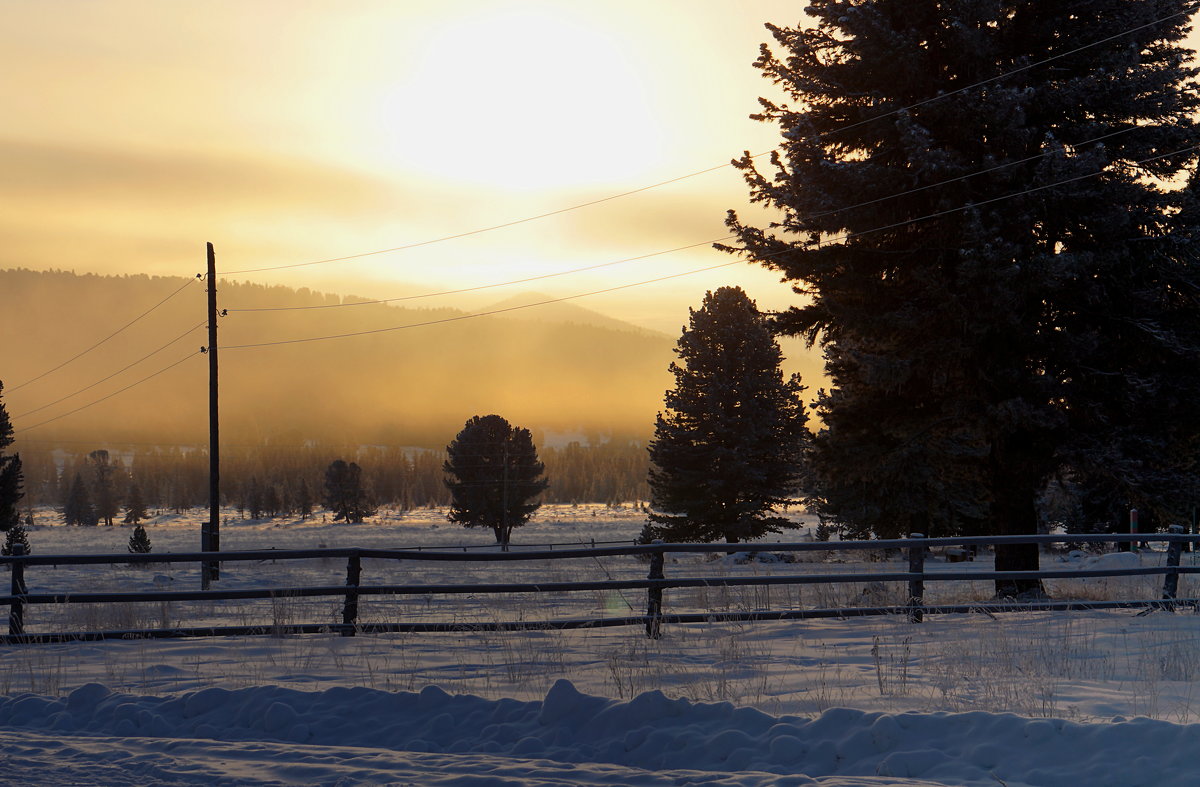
[{"x": 655, "y": 584}]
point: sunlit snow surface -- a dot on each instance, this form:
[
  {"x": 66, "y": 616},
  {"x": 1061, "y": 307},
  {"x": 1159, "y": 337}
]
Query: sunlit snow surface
[{"x": 1031, "y": 699}]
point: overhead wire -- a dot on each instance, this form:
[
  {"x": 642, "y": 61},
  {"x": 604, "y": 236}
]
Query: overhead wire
[
  {"x": 923, "y": 102},
  {"x": 460, "y": 317},
  {"x": 486, "y": 286},
  {"x": 79, "y": 355},
  {"x": 890, "y": 113},
  {"x": 834, "y": 239},
  {"x": 822, "y": 214},
  {"x": 457, "y": 318},
  {"x": 114, "y": 374},
  {"x": 109, "y": 396}
]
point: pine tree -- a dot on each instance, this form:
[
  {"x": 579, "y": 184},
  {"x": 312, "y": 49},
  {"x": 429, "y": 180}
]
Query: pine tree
[
  {"x": 495, "y": 474},
  {"x": 345, "y": 495},
  {"x": 104, "y": 493},
  {"x": 78, "y": 509},
  {"x": 254, "y": 500},
  {"x": 304, "y": 500},
  {"x": 139, "y": 542},
  {"x": 730, "y": 448},
  {"x": 16, "y": 535},
  {"x": 11, "y": 477},
  {"x": 976, "y": 199},
  {"x": 272, "y": 501},
  {"x": 135, "y": 506}
]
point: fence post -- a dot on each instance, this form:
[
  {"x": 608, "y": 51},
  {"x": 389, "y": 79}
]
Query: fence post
[
  {"x": 350, "y": 609},
  {"x": 655, "y": 595},
  {"x": 916, "y": 586},
  {"x": 16, "y": 610},
  {"x": 1171, "y": 578}
]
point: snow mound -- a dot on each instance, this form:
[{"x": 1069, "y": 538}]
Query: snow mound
[
  {"x": 651, "y": 732},
  {"x": 1113, "y": 560}
]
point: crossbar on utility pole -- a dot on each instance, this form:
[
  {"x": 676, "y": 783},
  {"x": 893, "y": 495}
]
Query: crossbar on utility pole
[{"x": 210, "y": 532}]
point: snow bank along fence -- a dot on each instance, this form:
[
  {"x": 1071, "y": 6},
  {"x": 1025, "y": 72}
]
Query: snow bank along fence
[{"x": 655, "y": 585}]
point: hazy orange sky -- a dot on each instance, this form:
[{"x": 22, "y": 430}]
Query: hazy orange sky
[{"x": 284, "y": 132}]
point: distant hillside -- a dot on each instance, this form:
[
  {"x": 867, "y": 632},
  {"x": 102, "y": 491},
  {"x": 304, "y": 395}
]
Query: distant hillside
[
  {"x": 398, "y": 385},
  {"x": 563, "y": 312}
]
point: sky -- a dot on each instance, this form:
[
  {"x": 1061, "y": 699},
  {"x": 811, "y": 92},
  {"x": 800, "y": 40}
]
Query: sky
[{"x": 290, "y": 132}]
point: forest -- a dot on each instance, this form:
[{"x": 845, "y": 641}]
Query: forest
[{"x": 269, "y": 481}]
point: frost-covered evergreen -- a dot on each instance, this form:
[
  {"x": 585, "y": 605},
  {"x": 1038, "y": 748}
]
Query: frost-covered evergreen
[
  {"x": 11, "y": 478},
  {"x": 139, "y": 541},
  {"x": 730, "y": 447},
  {"x": 979, "y": 200},
  {"x": 495, "y": 476},
  {"x": 16, "y": 535}
]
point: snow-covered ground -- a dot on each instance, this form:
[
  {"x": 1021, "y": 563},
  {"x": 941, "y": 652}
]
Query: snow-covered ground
[{"x": 1103, "y": 698}]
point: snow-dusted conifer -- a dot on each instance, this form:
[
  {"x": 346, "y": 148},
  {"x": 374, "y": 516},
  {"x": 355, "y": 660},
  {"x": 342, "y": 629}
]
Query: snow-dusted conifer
[
  {"x": 980, "y": 202},
  {"x": 139, "y": 541},
  {"x": 730, "y": 449},
  {"x": 16, "y": 535}
]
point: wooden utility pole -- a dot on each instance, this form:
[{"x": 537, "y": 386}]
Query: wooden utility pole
[{"x": 210, "y": 532}]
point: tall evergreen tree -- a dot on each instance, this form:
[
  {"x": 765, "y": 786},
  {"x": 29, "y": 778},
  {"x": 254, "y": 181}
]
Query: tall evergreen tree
[
  {"x": 730, "y": 448},
  {"x": 304, "y": 500},
  {"x": 11, "y": 477},
  {"x": 78, "y": 509},
  {"x": 345, "y": 495},
  {"x": 974, "y": 196},
  {"x": 495, "y": 476},
  {"x": 135, "y": 505},
  {"x": 104, "y": 488}
]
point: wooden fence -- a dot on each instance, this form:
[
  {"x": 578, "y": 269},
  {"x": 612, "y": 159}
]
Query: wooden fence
[{"x": 20, "y": 600}]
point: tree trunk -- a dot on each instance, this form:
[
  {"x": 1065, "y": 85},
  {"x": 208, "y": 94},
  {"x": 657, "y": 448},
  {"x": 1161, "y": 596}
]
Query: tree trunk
[{"x": 1016, "y": 515}]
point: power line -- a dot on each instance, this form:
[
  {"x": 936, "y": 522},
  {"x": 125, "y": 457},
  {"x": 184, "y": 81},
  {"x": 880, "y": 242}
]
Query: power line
[
  {"x": 844, "y": 237},
  {"x": 1033, "y": 190},
  {"x": 481, "y": 230},
  {"x": 635, "y": 284},
  {"x": 488, "y": 286},
  {"x": 482, "y": 314},
  {"x": 968, "y": 175},
  {"x": 1188, "y": 12},
  {"x": 707, "y": 170},
  {"x": 114, "y": 374},
  {"x": 109, "y": 396},
  {"x": 76, "y": 357},
  {"x": 822, "y": 214}
]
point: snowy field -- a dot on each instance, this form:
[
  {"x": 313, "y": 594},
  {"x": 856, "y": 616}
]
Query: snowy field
[{"x": 1101, "y": 698}]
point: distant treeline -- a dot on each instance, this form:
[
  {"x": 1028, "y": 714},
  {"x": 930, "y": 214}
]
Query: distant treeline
[{"x": 270, "y": 481}]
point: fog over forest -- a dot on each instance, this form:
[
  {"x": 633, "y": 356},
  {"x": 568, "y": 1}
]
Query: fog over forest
[{"x": 556, "y": 369}]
